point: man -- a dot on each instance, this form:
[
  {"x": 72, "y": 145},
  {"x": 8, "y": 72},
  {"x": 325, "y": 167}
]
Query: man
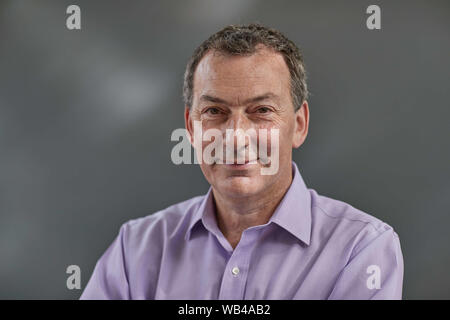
[{"x": 253, "y": 235}]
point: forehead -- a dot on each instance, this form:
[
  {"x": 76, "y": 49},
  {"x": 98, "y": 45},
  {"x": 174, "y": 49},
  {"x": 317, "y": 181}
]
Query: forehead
[{"x": 235, "y": 77}]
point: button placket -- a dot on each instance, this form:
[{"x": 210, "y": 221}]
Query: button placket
[{"x": 236, "y": 270}]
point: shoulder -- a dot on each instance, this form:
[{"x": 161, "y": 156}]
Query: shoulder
[
  {"x": 161, "y": 224},
  {"x": 336, "y": 212},
  {"x": 365, "y": 250},
  {"x": 352, "y": 227}
]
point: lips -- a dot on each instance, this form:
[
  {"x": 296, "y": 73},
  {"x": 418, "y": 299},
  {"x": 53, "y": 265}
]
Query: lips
[{"x": 246, "y": 162}]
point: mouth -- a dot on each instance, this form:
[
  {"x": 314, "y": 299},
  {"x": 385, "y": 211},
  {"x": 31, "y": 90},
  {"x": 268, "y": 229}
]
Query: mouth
[{"x": 244, "y": 165}]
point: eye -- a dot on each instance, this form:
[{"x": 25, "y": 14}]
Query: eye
[
  {"x": 212, "y": 111},
  {"x": 263, "y": 110}
]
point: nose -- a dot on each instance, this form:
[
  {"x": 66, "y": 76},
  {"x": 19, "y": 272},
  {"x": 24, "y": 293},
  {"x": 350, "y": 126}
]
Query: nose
[
  {"x": 237, "y": 126},
  {"x": 238, "y": 120},
  {"x": 240, "y": 139}
]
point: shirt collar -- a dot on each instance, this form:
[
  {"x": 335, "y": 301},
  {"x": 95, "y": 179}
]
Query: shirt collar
[{"x": 292, "y": 214}]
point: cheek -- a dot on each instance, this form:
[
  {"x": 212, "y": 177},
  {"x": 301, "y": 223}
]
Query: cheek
[
  {"x": 200, "y": 127},
  {"x": 211, "y": 138},
  {"x": 286, "y": 143},
  {"x": 277, "y": 136}
]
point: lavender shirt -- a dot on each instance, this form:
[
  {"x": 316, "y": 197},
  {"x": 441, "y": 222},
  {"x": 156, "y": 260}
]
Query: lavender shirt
[{"x": 313, "y": 247}]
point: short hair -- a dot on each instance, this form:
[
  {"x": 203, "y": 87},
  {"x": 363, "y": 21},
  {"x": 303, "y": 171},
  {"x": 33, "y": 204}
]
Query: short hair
[{"x": 243, "y": 40}]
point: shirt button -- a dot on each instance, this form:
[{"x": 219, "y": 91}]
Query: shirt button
[{"x": 235, "y": 271}]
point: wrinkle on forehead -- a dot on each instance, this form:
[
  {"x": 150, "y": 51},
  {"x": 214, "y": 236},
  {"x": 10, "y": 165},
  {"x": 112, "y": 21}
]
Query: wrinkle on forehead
[{"x": 239, "y": 77}]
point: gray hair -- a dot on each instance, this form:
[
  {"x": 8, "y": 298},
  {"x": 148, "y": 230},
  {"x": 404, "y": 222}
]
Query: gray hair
[{"x": 243, "y": 40}]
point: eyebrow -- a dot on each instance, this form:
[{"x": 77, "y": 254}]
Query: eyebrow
[{"x": 265, "y": 96}]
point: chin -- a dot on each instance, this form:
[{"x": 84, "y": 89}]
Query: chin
[{"x": 239, "y": 186}]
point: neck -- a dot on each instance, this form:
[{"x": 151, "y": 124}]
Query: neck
[{"x": 233, "y": 217}]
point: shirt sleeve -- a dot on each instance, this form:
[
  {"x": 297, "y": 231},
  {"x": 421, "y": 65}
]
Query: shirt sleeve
[
  {"x": 374, "y": 272},
  {"x": 109, "y": 280}
]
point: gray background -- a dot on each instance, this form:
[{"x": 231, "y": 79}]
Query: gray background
[{"x": 86, "y": 118}]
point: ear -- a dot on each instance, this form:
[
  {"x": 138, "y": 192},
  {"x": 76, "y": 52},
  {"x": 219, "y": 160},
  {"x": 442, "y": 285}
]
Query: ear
[
  {"x": 301, "y": 125},
  {"x": 188, "y": 124}
]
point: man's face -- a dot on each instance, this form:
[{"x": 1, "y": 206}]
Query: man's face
[{"x": 247, "y": 92}]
